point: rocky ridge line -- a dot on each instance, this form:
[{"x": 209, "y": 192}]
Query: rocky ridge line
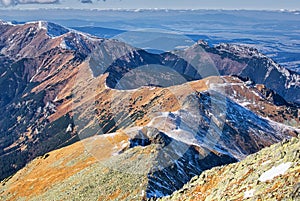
[{"x": 270, "y": 174}]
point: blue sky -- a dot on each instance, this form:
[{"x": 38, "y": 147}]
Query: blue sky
[{"x": 171, "y": 4}]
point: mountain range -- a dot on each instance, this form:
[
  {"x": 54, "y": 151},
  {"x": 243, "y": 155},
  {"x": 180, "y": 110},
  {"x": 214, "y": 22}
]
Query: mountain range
[{"x": 110, "y": 121}]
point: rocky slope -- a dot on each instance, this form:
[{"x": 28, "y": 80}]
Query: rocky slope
[
  {"x": 260, "y": 100},
  {"x": 36, "y": 67},
  {"x": 243, "y": 61},
  {"x": 109, "y": 170},
  {"x": 75, "y": 173},
  {"x": 60, "y": 86},
  {"x": 271, "y": 174}
]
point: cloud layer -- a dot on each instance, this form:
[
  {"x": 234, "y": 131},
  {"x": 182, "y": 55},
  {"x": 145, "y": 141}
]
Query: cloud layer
[{"x": 14, "y": 2}]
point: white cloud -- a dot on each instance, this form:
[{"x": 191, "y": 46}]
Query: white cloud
[
  {"x": 7, "y": 2},
  {"x": 14, "y": 2},
  {"x": 37, "y": 1}
]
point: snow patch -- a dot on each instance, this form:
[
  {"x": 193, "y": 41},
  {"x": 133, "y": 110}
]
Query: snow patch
[
  {"x": 249, "y": 194},
  {"x": 124, "y": 144},
  {"x": 266, "y": 163},
  {"x": 181, "y": 47},
  {"x": 275, "y": 171},
  {"x": 4, "y": 23},
  {"x": 56, "y": 99},
  {"x": 69, "y": 129},
  {"x": 40, "y": 25},
  {"x": 239, "y": 50},
  {"x": 63, "y": 45},
  {"x": 244, "y": 104}
]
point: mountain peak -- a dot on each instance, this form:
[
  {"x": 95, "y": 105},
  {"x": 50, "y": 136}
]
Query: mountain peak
[
  {"x": 239, "y": 50},
  {"x": 202, "y": 43},
  {"x": 53, "y": 30}
]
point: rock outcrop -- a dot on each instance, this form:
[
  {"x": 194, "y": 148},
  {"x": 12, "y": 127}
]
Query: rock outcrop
[{"x": 271, "y": 174}]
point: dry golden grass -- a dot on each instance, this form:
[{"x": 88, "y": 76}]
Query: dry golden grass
[{"x": 58, "y": 165}]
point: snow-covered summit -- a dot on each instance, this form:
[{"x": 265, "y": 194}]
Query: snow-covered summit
[{"x": 53, "y": 30}]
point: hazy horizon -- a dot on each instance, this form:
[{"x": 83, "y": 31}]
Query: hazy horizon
[{"x": 154, "y": 4}]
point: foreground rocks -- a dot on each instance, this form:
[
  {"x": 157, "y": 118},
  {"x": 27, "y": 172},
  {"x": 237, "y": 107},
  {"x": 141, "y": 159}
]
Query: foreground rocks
[{"x": 247, "y": 180}]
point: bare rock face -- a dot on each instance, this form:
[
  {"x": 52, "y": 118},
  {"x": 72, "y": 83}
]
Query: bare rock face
[
  {"x": 270, "y": 174},
  {"x": 166, "y": 117}
]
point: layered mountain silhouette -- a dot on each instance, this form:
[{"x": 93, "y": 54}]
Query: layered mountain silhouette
[{"x": 111, "y": 121}]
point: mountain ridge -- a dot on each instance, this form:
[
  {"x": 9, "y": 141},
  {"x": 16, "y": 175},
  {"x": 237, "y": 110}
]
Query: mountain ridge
[
  {"x": 72, "y": 87},
  {"x": 246, "y": 180}
]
